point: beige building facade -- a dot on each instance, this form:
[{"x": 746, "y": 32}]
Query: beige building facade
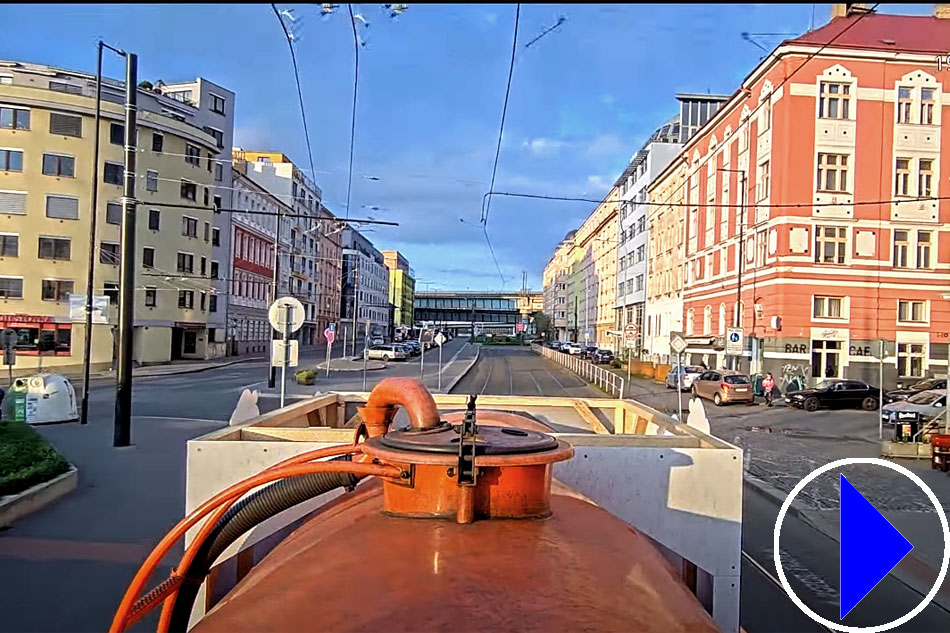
[{"x": 46, "y": 175}]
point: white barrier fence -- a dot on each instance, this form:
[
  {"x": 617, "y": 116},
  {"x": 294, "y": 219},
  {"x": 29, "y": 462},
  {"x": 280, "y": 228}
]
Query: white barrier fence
[{"x": 606, "y": 380}]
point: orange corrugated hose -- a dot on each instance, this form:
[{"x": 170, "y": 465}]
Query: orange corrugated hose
[
  {"x": 192, "y": 550},
  {"x": 227, "y": 496}
]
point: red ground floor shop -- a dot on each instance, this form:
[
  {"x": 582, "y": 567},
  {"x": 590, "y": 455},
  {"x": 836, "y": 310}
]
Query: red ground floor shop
[{"x": 54, "y": 342}]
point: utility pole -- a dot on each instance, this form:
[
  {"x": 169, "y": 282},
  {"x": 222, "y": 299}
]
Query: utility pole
[
  {"x": 272, "y": 371},
  {"x": 739, "y": 306},
  {"x": 90, "y": 271},
  {"x": 123, "y": 396},
  {"x": 356, "y": 301}
]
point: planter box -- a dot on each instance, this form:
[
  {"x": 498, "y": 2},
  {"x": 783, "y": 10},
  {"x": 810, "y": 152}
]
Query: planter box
[
  {"x": 636, "y": 366},
  {"x": 647, "y": 370},
  {"x": 39, "y": 496},
  {"x": 661, "y": 372}
]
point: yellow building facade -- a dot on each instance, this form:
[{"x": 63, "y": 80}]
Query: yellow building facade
[{"x": 46, "y": 175}]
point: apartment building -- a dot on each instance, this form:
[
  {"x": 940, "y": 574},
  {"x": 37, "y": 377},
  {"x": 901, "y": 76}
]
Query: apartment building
[
  {"x": 591, "y": 290},
  {"x": 250, "y": 273},
  {"x": 211, "y": 107},
  {"x": 402, "y": 289},
  {"x": 312, "y": 261},
  {"x": 46, "y": 174},
  {"x": 836, "y": 137},
  {"x": 365, "y": 287},
  {"x": 632, "y": 229},
  {"x": 555, "y": 281}
]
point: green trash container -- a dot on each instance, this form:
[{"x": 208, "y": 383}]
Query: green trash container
[{"x": 14, "y": 402}]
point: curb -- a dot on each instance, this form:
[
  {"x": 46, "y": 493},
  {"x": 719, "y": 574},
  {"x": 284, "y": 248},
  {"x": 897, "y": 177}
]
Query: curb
[
  {"x": 37, "y": 497},
  {"x": 921, "y": 579},
  {"x": 184, "y": 370},
  {"x": 334, "y": 369},
  {"x": 451, "y": 385}
]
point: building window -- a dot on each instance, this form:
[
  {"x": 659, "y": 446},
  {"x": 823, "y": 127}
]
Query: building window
[
  {"x": 113, "y": 213},
  {"x": 213, "y": 303},
  {"x": 9, "y": 245},
  {"x": 828, "y": 308},
  {"x": 57, "y": 290},
  {"x": 54, "y": 248},
  {"x": 204, "y": 266},
  {"x": 910, "y": 360},
  {"x": 901, "y": 249},
  {"x": 722, "y": 319},
  {"x": 925, "y": 177},
  {"x": 217, "y": 103},
  {"x": 707, "y": 320},
  {"x": 158, "y": 141},
  {"x": 11, "y": 160},
  {"x": 835, "y": 100},
  {"x": 59, "y": 86},
  {"x": 923, "y": 249},
  {"x": 639, "y": 283},
  {"x": 111, "y": 290},
  {"x": 151, "y": 297},
  {"x": 65, "y": 124},
  {"x": 762, "y": 182},
  {"x": 192, "y": 154},
  {"x": 911, "y": 311},
  {"x": 14, "y": 118},
  {"x": 218, "y": 136},
  {"x": 203, "y": 301},
  {"x": 151, "y": 180},
  {"x": 62, "y": 207},
  {"x": 831, "y": 244},
  {"x": 186, "y": 263},
  {"x": 902, "y": 177},
  {"x": 154, "y": 219},
  {"x": 832, "y": 172},
  {"x": 214, "y": 270},
  {"x": 189, "y": 227},
  {"x": 11, "y": 288},
  {"x": 690, "y": 317},
  {"x": 904, "y": 102},
  {"x": 217, "y": 204},
  {"x": 218, "y": 172},
  {"x": 117, "y": 134},
  {"x": 109, "y": 253},
  {"x": 189, "y": 191},
  {"x": 206, "y": 197},
  {"x": 186, "y": 299},
  {"x": 112, "y": 173},
  {"x": 148, "y": 257},
  {"x": 216, "y": 237},
  {"x": 927, "y": 106},
  {"x": 58, "y": 165}
]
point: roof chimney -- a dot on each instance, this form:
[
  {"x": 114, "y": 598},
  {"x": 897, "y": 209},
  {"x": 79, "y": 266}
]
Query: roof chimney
[
  {"x": 848, "y": 9},
  {"x": 942, "y": 11}
]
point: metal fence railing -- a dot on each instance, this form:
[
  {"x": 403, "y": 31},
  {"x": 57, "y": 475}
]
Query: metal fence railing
[{"x": 606, "y": 380}]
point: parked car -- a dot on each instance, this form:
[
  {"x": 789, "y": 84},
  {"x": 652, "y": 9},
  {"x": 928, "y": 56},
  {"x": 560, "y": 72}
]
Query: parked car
[
  {"x": 387, "y": 352},
  {"x": 588, "y": 351},
  {"x": 406, "y": 347},
  {"x": 415, "y": 349},
  {"x": 377, "y": 340},
  {"x": 690, "y": 373},
  {"x": 602, "y": 356},
  {"x": 574, "y": 349},
  {"x": 896, "y": 395},
  {"x": 723, "y": 386},
  {"x": 835, "y": 394},
  {"x": 929, "y": 405}
]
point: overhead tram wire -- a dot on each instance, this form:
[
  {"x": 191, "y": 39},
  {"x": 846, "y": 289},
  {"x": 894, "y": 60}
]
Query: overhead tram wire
[
  {"x": 293, "y": 59},
  {"x": 356, "y": 80},
  {"x": 268, "y": 213}
]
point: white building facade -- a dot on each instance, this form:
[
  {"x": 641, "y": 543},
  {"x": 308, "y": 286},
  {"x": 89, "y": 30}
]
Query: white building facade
[{"x": 365, "y": 283}]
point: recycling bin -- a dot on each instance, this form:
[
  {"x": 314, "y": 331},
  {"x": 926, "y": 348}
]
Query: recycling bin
[
  {"x": 39, "y": 399},
  {"x": 14, "y": 402}
]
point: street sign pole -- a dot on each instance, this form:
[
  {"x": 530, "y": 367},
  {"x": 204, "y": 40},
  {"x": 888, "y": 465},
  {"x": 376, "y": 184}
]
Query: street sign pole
[
  {"x": 329, "y": 347},
  {"x": 365, "y": 350},
  {"x": 440, "y": 368},
  {"x": 288, "y": 320},
  {"x": 679, "y": 385},
  {"x": 422, "y": 364}
]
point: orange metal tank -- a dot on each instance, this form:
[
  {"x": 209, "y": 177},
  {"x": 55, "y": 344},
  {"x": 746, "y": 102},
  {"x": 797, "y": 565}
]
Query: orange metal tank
[{"x": 477, "y": 538}]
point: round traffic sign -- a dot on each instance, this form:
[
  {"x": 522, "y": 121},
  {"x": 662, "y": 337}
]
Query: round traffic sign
[
  {"x": 630, "y": 331},
  {"x": 278, "y": 314}
]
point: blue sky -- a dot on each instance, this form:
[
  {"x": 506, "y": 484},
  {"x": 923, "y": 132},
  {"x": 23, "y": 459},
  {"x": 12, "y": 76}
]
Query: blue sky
[{"x": 583, "y": 100}]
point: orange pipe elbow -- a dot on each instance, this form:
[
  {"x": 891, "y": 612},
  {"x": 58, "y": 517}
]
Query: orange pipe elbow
[{"x": 409, "y": 393}]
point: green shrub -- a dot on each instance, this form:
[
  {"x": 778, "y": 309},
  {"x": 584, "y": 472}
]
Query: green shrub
[
  {"x": 616, "y": 364},
  {"x": 305, "y": 376},
  {"x": 26, "y": 459}
]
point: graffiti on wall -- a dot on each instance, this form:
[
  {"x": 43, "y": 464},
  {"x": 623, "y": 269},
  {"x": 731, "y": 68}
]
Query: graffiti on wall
[{"x": 793, "y": 374}]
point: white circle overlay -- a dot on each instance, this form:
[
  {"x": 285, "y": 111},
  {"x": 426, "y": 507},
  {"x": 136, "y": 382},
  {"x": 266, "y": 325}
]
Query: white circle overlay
[{"x": 849, "y": 461}]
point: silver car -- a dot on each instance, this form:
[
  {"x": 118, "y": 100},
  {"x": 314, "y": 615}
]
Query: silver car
[
  {"x": 690, "y": 373},
  {"x": 387, "y": 352},
  {"x": 929, "y": 405}
]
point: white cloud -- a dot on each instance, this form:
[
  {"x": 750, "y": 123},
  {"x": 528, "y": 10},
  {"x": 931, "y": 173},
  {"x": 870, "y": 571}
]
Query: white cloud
[
  {"x": 543, "y": 146},
  {"x": 598, "y": 184}
]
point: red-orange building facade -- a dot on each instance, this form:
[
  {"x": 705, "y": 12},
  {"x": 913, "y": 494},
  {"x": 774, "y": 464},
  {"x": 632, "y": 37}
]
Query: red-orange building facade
[{"x": 837, "y": 252}]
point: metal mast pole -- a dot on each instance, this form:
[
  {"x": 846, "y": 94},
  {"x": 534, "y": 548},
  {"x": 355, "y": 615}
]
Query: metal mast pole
[
  {"x": 741, "y": 262},
  {"x": 356, "y": 301},
  {"x": 123, "y": 399},
  {"x": 90, "y": 272},
  {"x": 272, "y": 371}
]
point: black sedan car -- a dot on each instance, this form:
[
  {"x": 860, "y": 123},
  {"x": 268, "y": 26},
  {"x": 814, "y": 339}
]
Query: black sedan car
[
  {"x": 835, "y": 394},
  {"x": 602, "y": 356},
  {"x": 897, "y": 395},
  {"x": 588, "y": 352}
]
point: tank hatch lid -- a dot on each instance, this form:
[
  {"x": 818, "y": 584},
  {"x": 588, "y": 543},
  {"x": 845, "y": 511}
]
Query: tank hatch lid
[{"x": 489, "y": 440}]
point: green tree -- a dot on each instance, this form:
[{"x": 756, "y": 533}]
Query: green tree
[
  {"x": 542, "y": 324},
  {"x": 145, "y": 84}
]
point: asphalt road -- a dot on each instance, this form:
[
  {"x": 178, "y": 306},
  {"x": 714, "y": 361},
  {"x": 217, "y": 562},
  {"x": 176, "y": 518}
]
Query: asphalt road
[{"x": 517, "y": 371}]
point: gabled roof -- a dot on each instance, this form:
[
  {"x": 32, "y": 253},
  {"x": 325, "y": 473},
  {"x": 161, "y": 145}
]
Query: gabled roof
[{"x": 900, "y": 33}]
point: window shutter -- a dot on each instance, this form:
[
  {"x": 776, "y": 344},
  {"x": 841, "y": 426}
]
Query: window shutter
[
  {"x": 12, "y": 202},
  {"x": 65, "y": 124},
  {"x": 62, "y": 207}
]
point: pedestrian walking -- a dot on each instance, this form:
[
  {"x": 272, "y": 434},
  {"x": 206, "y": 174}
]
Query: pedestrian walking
[{"x": 768, "y": 385}]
